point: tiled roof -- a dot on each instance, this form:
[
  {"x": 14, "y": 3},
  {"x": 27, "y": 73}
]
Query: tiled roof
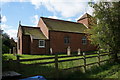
[
  {"x": 86, "y": 15},
  {"x": 34, "y": 32},
  {"x": 66, "y": 26}
]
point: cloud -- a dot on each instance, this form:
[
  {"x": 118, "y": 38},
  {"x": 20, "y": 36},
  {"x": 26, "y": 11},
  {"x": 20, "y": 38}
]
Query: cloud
[
  {"x": 90, "y": 10},
  {"x": 9, "y": 30},
  {"x": 79, "y": 16},
  {"x": 37, "y": 3},
  {"x": 9, "y": 0},
  {"x": 4, "y": 27},
  {"x": 12, "y": 33},
  {"x": 14, "y": 1},
  {"x": 54, "y": 17},
  {"x": 68, "y": 9},
  {"x": 69, "y": 19},
  {"x": 35, "y": 19},
  {"x": 65, "y": 8},
  {"x": 4, "y": 19}
]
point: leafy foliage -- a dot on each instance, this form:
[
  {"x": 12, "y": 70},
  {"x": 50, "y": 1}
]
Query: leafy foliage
[
  {"x": 7, "y": 42},
  {"x": 106, "y": 32}
]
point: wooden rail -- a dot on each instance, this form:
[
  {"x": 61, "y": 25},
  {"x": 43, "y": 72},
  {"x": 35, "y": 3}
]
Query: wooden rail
[{"x": 56, "y": 60}]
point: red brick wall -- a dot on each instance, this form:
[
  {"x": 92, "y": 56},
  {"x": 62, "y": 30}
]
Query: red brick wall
[
  {"x": 84, "y": 21},
  {"x": 57, "y": 42},
  {"x": 30, "y": 46},
  {"x": 19, "y": 50},
  {"x": 26, "y": 44},
  {"x": 35, "y": 47},
  {"x": 43, "y": 28}
]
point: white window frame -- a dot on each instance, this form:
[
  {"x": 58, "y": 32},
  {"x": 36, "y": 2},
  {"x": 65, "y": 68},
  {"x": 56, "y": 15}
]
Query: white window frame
[
  {"x": 43, "y": 44},
  {"x": 84, "y": 40}
]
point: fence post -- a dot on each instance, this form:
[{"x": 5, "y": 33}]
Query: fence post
[
  {"x": 56, "y": 66},
  {"x": 79, "y": 52},
  {"x": 9, "y": 62},
  {"x": 18, "y": 62},
  {"x": 18, "y": 59},
  {"x": 84, "y": 58},
  {"x": 99, "y": 58}
]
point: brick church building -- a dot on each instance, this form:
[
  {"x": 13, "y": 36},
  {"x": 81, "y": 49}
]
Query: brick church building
[{"x": 54, "y": 36}]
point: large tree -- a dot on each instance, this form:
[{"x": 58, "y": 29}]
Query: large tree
[
  {"x": 7, "y": 42},
  {"x": 106, "y": 33}
]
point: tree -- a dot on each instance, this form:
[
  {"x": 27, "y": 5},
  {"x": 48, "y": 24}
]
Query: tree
[
  {"x": 106, "y": 33},
  {"x": 7, "y": 43}
]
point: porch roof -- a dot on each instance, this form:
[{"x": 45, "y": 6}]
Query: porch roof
[{"x": 34, "y": 32}]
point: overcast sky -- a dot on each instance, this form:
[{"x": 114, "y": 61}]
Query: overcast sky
[{"x": 29, "y": 12}]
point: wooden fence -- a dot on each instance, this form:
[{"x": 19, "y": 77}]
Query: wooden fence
[
  {"x": 83, "y": 57},
  {"x": 56, "y": 60}
]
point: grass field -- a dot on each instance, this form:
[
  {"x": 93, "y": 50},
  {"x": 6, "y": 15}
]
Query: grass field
[{"x": 48, "y": 70}]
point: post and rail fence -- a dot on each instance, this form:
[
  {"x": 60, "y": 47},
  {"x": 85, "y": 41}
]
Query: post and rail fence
[{"x": 83, "y": 57}]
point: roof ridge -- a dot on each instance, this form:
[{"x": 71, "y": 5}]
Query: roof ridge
[
  {"x": 84, "y": 16},
  {"x": 29, "y": 26},
  {"x": 61, "y": 25},
  {"x": 61, "y": 20}
]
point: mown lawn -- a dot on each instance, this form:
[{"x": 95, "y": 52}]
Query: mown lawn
[
  {"x": 62, "y": 65},
  {"x": 48, "y": 70}
]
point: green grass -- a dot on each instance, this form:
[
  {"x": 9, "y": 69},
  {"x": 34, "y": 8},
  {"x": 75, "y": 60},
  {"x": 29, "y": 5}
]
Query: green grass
[
  {"x": 48, "y": 70},
  {"x": 62, "y": 65},
  {"x": 25, "y": 56},
  {"x": 106, "y": 71},
  {"x": 8, "y": 56}
]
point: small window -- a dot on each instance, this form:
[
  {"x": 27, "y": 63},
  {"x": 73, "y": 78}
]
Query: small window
[
  {"x": 84, "y": 40},
  {"x": 66, "y": 40},
  {"x": 42, "y": 43}
]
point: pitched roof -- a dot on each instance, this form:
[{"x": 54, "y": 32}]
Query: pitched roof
[
  {"x": 34, "y": 32},
  {"x": 86, "y": 15},
  {"x": 66, "y": 26}
]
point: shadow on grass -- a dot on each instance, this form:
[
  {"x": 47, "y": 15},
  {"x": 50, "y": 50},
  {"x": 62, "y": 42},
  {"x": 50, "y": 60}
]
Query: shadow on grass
[
  {"x": 98, "y": 73},
  {"x": 30, "y": 70},
  {"x": 48, "y": 71}
]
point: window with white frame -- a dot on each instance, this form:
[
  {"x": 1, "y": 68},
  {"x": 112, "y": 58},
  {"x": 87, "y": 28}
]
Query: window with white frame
[
  {"x": 41, "y": 43},
  {"x": 84, "y": 40}
]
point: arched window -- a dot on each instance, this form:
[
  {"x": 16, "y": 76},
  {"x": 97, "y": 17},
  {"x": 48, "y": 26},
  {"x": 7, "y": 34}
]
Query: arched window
[
  {"x": 66, "y": 39},
  {"x": 84, "y": 40}
]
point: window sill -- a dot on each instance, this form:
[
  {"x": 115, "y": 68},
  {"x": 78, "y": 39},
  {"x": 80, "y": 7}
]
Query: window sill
[{"x": 41, "y": 46}]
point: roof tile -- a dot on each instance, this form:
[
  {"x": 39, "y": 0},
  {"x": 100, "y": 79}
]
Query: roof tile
[
  {"x": 66, "y": 26},
  {"x": 34, "y": 32}
]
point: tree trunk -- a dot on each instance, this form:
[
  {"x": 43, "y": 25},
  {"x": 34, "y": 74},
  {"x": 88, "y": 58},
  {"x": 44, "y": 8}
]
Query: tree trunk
[{"x": 116, "y": 58}]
